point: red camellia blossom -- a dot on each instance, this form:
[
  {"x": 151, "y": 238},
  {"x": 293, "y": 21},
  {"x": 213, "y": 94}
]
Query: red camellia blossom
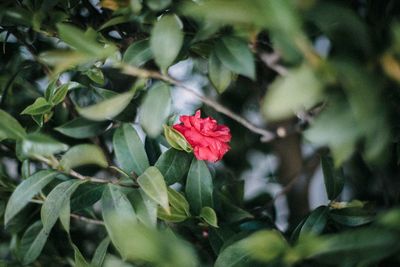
[{"x": 208, "y": 138}]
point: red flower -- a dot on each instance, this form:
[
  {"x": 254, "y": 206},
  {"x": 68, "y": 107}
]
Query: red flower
[{"x": 208, "y": 138}]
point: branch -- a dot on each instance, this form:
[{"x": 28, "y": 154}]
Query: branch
[
  {"x": 86, "y": 219},
  {"x": 266, "y": 135},
  {"x": 75, "y": 216},
  {"x": 271, "y": 60}
]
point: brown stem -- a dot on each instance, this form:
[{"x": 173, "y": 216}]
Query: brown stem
[
  {"x": 86, "y": 219},
  {"x": 266, "y": 135}
]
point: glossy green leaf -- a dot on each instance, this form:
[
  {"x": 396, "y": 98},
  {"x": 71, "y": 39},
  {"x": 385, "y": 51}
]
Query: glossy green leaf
[
  {"x": 315, "y": 222},
  {"x": 333, "y": 177},
  {"x": 352, "y": 216},
  {"x": 153, "y": 184},
  {"x": 25, "y": 191},
  {"x": 56, "y": 201},
  {"x": 209, "y": 216},
  {"x": 40, "y": 106},
  {"x": 199, "y": 186},
  {"x": 297, "y": 91},
  {"x": 153, "y": 150},
  {"x": 100, "y": 253},
  {"x": 81, "y": 128},
  {"x": 59, "y": 94},
  {"x": 10, "y": 127},
  {"x": 219, "y": 75},
  {"x": 85, "y": 154},
  {"x": 166, "y": 40},
  {"x": 129, "y": 150},
  {"x": 107, "y": 109},
  {"x": 37, "y": 144},
  {"x": 155, "y": 109},
  {"x": 32, "y": 243},
  {"x": 235, "y": 55},
  {"x": 138, "y": 53},
  {"x": 173, "y": 164}
]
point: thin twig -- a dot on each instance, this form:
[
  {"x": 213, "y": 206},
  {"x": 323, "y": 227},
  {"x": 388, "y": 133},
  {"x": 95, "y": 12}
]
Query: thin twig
[
  {"x": 271, "y": 60},
  {"x": 266, "y": 135},
  {"x": 86, "y": 219},
  {"x": 75, "y": 216}
]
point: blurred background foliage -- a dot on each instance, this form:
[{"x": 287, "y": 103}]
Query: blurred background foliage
[{"x": 88, "y": 178}]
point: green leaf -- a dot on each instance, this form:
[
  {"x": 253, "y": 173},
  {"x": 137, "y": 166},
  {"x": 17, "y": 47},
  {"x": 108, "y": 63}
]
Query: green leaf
[
  {"x": 366, "y": 245},
  {"x": 32, "y": 243},
  {"x": 96, "y": 75},
  {"x": 56, "y": 201},
  {"x": 337, "y": 128},
  {"x": 37, "y": 144},
  {"x": 138, "y": 53},
  {"x": 63, "y": 60},
  {"x": 155, "y": 109},
  {"x": 86, "y": 195},
  {"x": 100, "y": 253},
  {"x": 178, "y": 205},
  {"x": 173, "y": 164},
  {"x": 166, "y": 40},
  {"x": 219, "y": 75},
  {"x": 81, "y": 128},
  {"x": 40, "y": 106},
  {"x": 158, "y": 5},
  {"x": 82, "y": 42},
  {"x": 227, "y": 12},
  {"x": 176, "y": 139},
  {"x": 107, "y": 109},
  {"x": 10, "y": 127},
  {"x": 145, "y": 208},
  {"x": 235, "y": 55},
  {"x": 209, "y": 216},
  {"x": 138, "y": 243},
  {"x": 297, "y": 91},
  {"x": 114, "y": 21},
  {"x": 65, "y": 216},
  {"x": 333, "y": 177},
  {"x": 25, "y": 191},
  {"x": 153, "y": 184},
  {"x": 315, "y": 222},
  {"x": 129, "y": 150},
  {"x": 79, "y": 259},
  {"x": 58, "y": 96},
  {"x": 265, "y": 246},
  {"x": 81, "y": 155},
  {"x": 116, "y": 209},
  {"x": 352, "y": 216},
  {"x": 199, "y": 186}
]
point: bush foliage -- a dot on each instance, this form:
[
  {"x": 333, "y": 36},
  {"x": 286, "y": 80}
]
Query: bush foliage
[{"x": 92, "y": 174}]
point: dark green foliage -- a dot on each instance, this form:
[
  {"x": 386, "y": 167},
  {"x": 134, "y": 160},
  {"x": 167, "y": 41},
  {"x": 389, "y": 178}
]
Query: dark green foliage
[{"x": 89, "y": 178}]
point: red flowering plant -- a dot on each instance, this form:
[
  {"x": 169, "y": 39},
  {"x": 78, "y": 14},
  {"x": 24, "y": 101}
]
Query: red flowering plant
[{"x": 208, "y": 139}]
